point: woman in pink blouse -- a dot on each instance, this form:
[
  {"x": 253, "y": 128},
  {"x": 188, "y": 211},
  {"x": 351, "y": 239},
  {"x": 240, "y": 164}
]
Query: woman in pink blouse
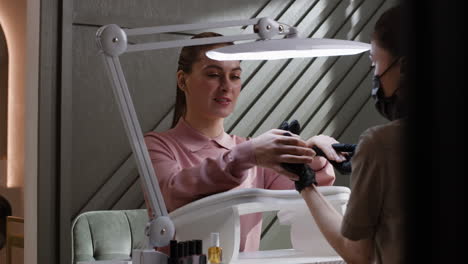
[{"x": 197, "y": 158}]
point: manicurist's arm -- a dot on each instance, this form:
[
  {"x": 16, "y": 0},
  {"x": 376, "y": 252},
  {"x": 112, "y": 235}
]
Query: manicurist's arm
[{"x": 329, "y": 221}]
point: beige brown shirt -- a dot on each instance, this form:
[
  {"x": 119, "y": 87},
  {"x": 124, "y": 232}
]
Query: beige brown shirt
[{"x": 374, "y": 209}]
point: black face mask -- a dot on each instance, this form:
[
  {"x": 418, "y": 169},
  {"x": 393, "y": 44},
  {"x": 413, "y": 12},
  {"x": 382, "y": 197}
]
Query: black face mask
[{"x": 388, "y": 107}]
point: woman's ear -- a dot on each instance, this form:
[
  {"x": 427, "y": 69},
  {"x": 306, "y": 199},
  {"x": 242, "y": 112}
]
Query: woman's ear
[{"x": 181, "y": 81}]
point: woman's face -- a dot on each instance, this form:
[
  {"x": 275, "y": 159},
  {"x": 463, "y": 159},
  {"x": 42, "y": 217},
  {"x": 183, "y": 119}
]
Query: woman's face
[
  {"x": 212, "y": 88},
  {"x": 381, "y": 61}
]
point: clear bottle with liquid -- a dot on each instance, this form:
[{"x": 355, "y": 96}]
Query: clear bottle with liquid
[{"x": 215, "y": 252}]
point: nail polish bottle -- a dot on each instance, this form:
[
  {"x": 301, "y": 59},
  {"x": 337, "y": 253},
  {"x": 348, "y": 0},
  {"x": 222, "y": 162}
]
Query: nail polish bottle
[
  {"x": 187, "y": 258},
  {"x": 193, "y": 259},
  {"x": 180, "y": 252},
  {"x": 173, "y": 256},
  {"x": 215, "y": 252},
  {"x": 201, "y": 258}
]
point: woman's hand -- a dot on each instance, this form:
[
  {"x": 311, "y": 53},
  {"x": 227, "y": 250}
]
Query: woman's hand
[
  {"x": 273, "y": 148},
  {"x": 324, "y": 143}
]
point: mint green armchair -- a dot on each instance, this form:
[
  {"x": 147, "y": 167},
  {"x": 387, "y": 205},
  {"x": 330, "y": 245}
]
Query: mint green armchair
[{"x": 108, "y": 235}]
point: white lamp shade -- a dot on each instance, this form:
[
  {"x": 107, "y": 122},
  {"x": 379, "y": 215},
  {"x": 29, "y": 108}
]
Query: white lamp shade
[{"x": 287, "y": 48}]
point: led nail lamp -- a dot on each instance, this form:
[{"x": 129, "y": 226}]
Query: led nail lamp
[{"x": 265, "y": 44}]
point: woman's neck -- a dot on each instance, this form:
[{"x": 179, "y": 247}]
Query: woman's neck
[{"x": 208, "y": 127}]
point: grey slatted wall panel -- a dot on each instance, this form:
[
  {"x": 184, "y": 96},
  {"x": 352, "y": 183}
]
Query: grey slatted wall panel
[{"x": 327, "y": 95}]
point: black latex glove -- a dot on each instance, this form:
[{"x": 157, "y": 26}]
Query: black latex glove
[
  {"x": 305, "y": 173},
  {"x": 345, "y": 166}
]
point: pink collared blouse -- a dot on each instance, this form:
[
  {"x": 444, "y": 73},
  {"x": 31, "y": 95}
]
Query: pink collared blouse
[{"x": 190, "y": 166}]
